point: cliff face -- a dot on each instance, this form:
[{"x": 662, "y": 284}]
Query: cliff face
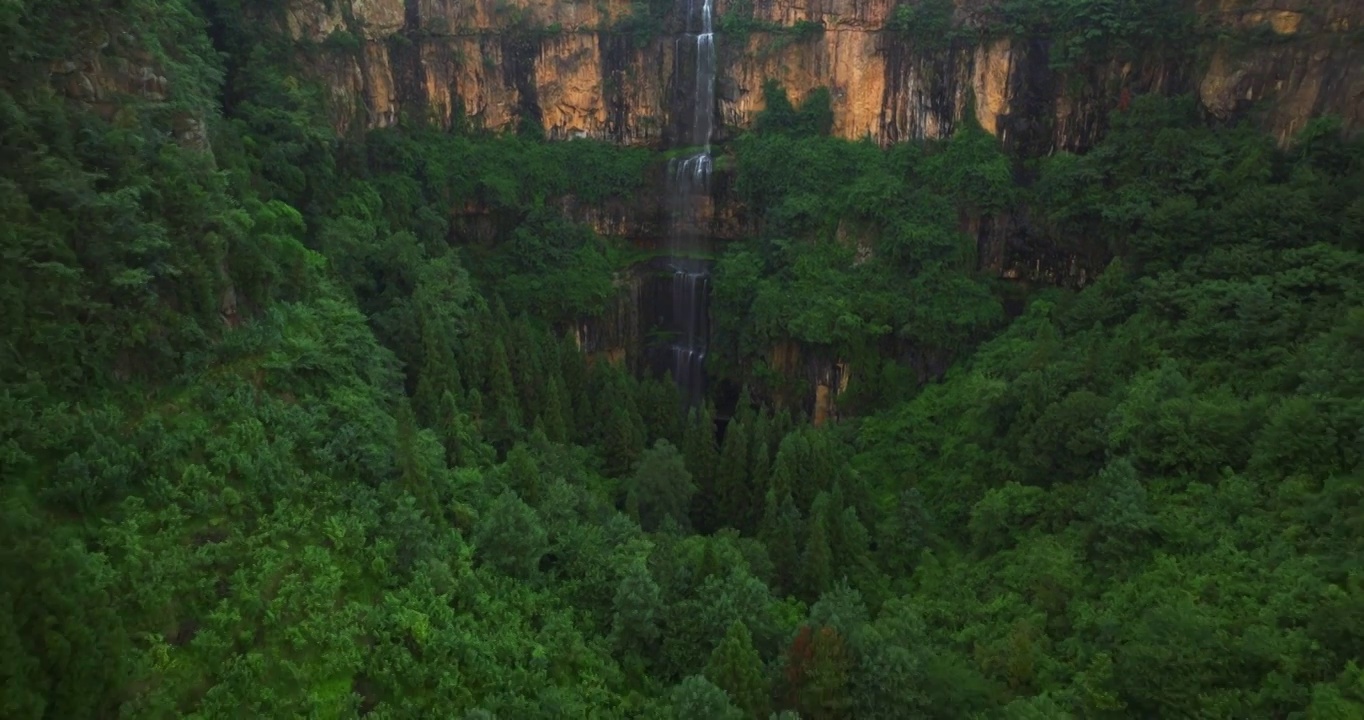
[
  {"x": 585, "y": 70},
  {"x": 581, "y": 69}
]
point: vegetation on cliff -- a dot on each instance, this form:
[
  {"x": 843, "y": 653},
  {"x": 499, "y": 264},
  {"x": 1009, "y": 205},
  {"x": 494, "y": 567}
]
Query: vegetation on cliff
[{"x": 280, "y": 438}]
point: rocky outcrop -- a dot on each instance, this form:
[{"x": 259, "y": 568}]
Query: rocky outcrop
[
  {"x": 589, "y": 70},
  {"x": 105, "y": 77}
]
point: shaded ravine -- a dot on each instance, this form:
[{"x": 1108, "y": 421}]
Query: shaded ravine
[{"x": 688, "y": 322}]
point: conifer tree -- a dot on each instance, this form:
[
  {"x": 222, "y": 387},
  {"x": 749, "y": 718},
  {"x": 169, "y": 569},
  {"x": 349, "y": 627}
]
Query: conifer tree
[
  {"x": 661, "y": 488},
  {"x": 787, "y": 468},
  {"x": 760, "y": 469},
  {"x": 527, "y": 369},
  {"x": 736, "y": 668},
  {"x": 458, "y": 433},
  {"x": 477, "y": 409},
  {"x": 552, "y": 417},
  {"x": 818, "y": 673},
  {"x": 505, "y": 414},
  {"x": 658, "y": 403},
  {"x": 697, "y": 698},
  {"x": 637, "y": 606},
  {"x": 511, "y": 538},
  {"x": 782, "y": 426},
  {"x": 905, "y": 534},
  {"x": 817, "y": 560},
  {"x": 702, "y": 457},
  {"x": 522, "y": 474},
  {"x": 577, "y": 406},
  {"x": 620, "y": 442},
  {"x": 780, "y": 532},
  {"x": 606, "y": 396},
  {"x": 472, "y": 353},
  {"x": 731, "y": 481},
  {"x": 708, "y": 566},
  {"x": 439, "y": 375},
  {"x": 746, "y": 411},
  {"x": 413, "y": 473}
]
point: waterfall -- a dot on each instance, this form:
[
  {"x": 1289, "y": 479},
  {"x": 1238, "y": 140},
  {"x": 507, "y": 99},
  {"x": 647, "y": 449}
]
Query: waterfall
[{"x": 689, "y": 197}]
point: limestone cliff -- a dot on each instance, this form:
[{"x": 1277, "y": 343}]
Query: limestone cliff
[{"x": 583, "y": 70}]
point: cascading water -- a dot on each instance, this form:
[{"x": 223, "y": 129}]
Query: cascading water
[{"x": 689, "y": 194}]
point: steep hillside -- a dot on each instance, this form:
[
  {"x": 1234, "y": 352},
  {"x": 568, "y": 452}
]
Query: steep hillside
[{"x": 301, "y": 417}]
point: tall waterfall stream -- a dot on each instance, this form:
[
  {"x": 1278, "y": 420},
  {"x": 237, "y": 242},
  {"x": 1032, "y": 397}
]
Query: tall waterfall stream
[{"x": 689, "y": 198}]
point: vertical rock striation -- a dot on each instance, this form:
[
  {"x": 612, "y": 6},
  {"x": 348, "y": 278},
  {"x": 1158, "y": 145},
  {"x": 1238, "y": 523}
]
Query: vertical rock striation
[{"x": 590, "y": 70}]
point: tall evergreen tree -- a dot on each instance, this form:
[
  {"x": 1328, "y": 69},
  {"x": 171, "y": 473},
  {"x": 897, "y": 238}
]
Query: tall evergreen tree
[
  {"x": 459, "y": 434},
  {"x": 817, "y": 560},
  {"x": 637, "y": 607},
  {"x": 620, "y": 443},
  {"x": 439, "y": 375},
  {"x": 511, "y": 537},
  {"x": 527, "y": 369},
  {"x": 736, "y": 668},
  {"x": 818, "y": 673},
  {"x": 522, "y": 474},
  {"x": 658, "y": 403},
  {"x": 696, "y": 698},
  {"x": 905, "y": 533},
  {"x": 415, "y": 475},
  {"x": 780, "y": 532},
  {"x": 504, "y": 412},
  {"x": 789, "y": 467},
  {"x": 760, "y": 469},
  {"x": 731, "y": 480},
  {"x": 702, "y": 457},
  {"x": 553, "y": 417},
  {"x": 578, "y": 408},
  {"x": 661, "y": 488}
]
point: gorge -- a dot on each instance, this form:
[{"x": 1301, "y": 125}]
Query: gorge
[
  {"x": 895, "y": 72},
  {"x": 682, "y": 359}
]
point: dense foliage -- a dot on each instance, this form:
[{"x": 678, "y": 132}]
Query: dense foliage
[
  {"x": 1074, "y": 32},
  {"x": 280, "y": 437}
]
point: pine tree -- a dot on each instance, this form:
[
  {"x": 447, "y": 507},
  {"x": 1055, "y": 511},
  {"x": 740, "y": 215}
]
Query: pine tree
[
  {"x": 458, "y": 433},
  {"x": 552, "y": 416},
  {"x": 817, "y": 560},
  {"x": 787, "y": 468},
  {"x": 501, "y": 385},
  {"x": 522, "y": 474},
  {"x": 439, "y": 375},
  {"x": 702, "y": 459},
  {"x": 905, "y": 534},
  {"x": 577, "y": 405},
  {"x": 511, "y": 538},
  {"x": 697, "y": 698},
  {"x": 731, "y": 481},
  {"x": 658, "y": 403},
  {"x": 736, "y": 668},
  {"x": 477, "y": 409},
  {"x": 709, "y": 565},
  {"x": 818, "y": 672},
  {"x": 780, "y": 532},
  {"x": 505, "y": 415},
  {"x": 527, "y": 370},
  {"x": 413, "y": 473},
  {"x": 606, "y": 396},
  {"x": 760, "y": 470},
  {"x": 746, "y": 411},
  {"x": 620, "y": 443},
  {"x": 661, "y": 488},
  {"x": 472, "y": 353},
  {"x": 637, "y": 606}
]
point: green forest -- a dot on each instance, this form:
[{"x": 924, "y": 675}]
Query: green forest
[{"x": 280, "y": 438}]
